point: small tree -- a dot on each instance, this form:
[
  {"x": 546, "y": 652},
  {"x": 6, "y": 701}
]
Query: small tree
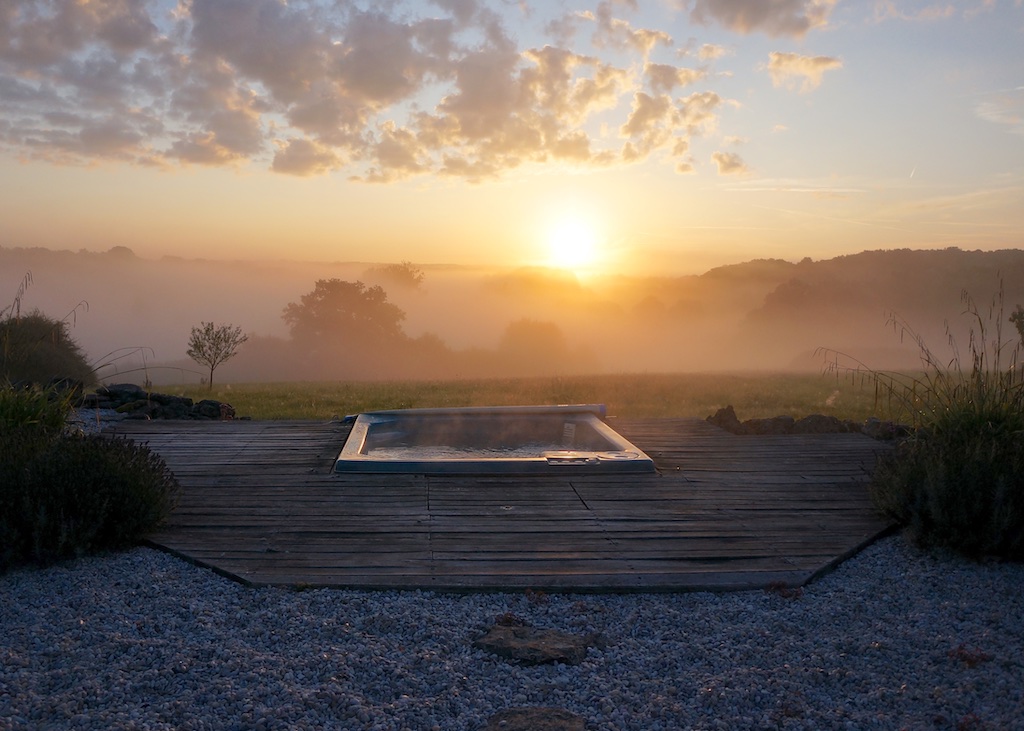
[
  {"x": 1017, "y": 318},
  {"x": 210, "y": 345}
]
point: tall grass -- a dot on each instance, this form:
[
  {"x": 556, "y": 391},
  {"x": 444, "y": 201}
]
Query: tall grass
[
  {"x": 626, "y": 395},
  {"x": 958, "y": 482}
]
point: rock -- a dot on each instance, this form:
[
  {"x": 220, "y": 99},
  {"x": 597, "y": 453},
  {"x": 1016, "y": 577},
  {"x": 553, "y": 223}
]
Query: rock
[
  {"x": 814, "y": 424},
  {"x": 726, "y": 419},
  {"x": 129, "y": 399},
  {"x": 774, "y": 425},
  {"x": 165, "y": 399},
  {"x": 122, "y": 392},
  {"x": 207, "y": 409},
  {"x": 136, "y": 406},
  {"x": 819, "y": 424},
  {"x": 534, "y": 646},
  {"x": 535, "y": 719},
  {"x": 180, "y": 409}
]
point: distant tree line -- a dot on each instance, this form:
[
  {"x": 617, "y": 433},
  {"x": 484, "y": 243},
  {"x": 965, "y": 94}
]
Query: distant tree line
[{"x": 350, "y": 330}]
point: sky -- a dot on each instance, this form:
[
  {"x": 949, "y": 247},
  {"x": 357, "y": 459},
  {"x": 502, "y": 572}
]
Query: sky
[{"x": 634, "y": 136}]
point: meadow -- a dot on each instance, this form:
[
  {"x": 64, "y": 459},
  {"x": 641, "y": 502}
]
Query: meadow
[{"x": 753, "y": 395}]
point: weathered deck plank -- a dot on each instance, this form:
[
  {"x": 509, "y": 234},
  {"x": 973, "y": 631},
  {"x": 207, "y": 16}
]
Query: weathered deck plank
[{"x": 261, "y": 504}]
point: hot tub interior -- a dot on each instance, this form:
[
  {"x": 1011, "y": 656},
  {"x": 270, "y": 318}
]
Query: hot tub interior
[{"x": 517, "y": 439}]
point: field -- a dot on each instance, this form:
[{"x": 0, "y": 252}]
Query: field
[{"x": 626, "y": 395}]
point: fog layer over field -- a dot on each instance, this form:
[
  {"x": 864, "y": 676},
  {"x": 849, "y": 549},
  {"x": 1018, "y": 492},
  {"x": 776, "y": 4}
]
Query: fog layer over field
[{"x": 462, "y": 322}]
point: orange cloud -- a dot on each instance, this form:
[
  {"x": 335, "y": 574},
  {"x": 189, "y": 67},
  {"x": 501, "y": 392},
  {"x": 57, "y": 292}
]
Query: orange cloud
[
  {"x": 787, "y": 69},
  {"x": 383, "y": 94},
  {"x": 729, "y": 163}
]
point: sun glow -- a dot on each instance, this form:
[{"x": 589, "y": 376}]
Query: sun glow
[{"x": 572, "y": 244}]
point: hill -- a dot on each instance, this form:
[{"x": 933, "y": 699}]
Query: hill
[{"x": 759, "y": 315}]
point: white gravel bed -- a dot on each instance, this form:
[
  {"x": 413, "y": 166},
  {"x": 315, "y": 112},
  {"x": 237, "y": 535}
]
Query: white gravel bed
[{"x": 141, "y": 640}]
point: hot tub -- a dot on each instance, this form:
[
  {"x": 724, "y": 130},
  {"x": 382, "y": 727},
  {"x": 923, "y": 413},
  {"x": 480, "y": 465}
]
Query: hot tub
[{"x": 497, "y": 440}]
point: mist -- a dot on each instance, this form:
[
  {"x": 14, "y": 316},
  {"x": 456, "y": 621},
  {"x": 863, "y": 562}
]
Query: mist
[{"x": 132, "y": 316}]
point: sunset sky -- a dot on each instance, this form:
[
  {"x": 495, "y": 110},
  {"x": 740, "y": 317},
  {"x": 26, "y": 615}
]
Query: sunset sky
[{"x": 649, "y": 136}]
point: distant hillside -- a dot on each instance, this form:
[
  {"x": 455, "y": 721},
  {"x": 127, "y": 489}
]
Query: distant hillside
[{"x": 764, "y": 314}]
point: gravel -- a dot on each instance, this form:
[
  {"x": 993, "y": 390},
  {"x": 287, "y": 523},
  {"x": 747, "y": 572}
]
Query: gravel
[{"x": 142, "y": 640}]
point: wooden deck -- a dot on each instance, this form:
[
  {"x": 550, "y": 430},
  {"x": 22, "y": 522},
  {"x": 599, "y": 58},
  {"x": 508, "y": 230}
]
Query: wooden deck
[{"x": 261, "y": 504}]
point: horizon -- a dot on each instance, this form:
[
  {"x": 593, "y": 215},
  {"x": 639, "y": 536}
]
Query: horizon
[
  {"x": 463, "y": 322},
  {"x": 636, "y": 137}
]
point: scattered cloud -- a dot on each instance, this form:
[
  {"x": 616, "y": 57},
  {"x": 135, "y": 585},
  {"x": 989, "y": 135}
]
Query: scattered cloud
[
  {"x": 615, "y": 32},
  {"x": 710, "y": 52},
  {"x": 664, "y": 78},
  {"x": 930, "y": 11},
  {"x": 380, "y": 91},
  {"x": 891, "y": 9},
  {"x": 774, "y": 18},
  {"x": 1005, "y": 108},
  {"x": 304, "y": 157},
  {"x": 729, "y": 163},
  {"x": 791, "y": 69}
]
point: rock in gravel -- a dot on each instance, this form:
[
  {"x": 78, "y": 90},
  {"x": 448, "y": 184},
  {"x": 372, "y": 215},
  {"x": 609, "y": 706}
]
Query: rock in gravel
[
  {"x": 535, "y": 719},
  {"x": 535, "y": 646}
]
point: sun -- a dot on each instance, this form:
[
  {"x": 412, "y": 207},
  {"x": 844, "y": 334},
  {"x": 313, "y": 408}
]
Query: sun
[{"x": 572, "y": 244}]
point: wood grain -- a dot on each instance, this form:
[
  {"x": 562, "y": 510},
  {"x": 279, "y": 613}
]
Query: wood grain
[{"x": 260, "y": 503}]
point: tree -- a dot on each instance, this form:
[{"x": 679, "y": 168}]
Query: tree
[
  {"x": 1017, "y": 318},
  {"x": 337, "y": 310},
  {"x": 533, "y": 347},
  {"x": 406, "y": 274},
  {"x": 210, "y": 345}
]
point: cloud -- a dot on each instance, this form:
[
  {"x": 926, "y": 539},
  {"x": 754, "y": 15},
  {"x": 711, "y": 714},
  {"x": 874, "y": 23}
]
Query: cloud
[
  {"x": 663, "y": 78},
  {"x": 1005, "y": 108},
  {"x": 656, "y": 123},
  {"x": 772, "y": 17},
  {"x": 729, "y": 163},
  {"x": 305, "y": 157},
  {"x": 710, "y": 52},
  {"x": 787, "y": 69},
  {"x": 887, "y": 10},
  {"x": 381, "y": 91},
  {"x": 648, "y": 126}
]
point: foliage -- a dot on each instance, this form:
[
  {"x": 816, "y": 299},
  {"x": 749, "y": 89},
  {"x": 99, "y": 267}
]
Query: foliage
[
  {"x": 958, "y": 482},
  {"x": 405, "y": 274},
  {"x": 1017, "y": 318},
  {"x": 43, "y": 411},
  {"x": 211, "y": 345},
  {"x": 534, "y": 347},
  {"x": 35, "y": 348},
  {"x": 38, "y": 349},
  {"x": 62, "y": 494},
  {"x": 351, "y": 312}
]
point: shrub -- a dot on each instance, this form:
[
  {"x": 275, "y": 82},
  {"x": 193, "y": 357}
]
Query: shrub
[
  {"x": 40, "y": 411},
  {"x": 64, "y": 495},
  {"x": 35, "y": 348},
  {"x": 958, "y": 481}
]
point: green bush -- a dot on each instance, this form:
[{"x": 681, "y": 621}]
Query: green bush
[
  {"x": 37, "y": 349},
  {"x": 63, "y": 494},
  {"x": 958, "y": 481},
  {"x": 38, "y": 410}
]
